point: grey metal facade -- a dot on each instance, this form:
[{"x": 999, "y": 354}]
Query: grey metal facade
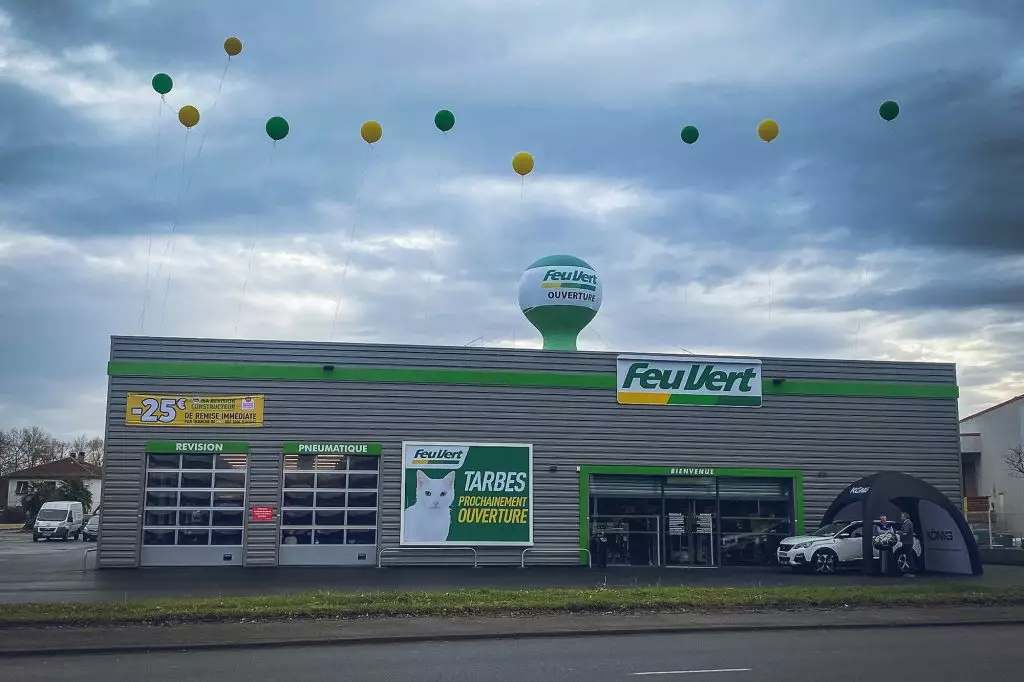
[{"x": 833, "y": 440}]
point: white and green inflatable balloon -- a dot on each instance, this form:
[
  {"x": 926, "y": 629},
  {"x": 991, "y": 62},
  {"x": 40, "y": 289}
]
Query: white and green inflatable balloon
[{"x": 560, "y": 296}]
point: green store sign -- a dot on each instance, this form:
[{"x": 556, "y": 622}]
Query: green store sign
[
  {"x": 317, "y": 448},
  {"x": 212, "y": 447}
]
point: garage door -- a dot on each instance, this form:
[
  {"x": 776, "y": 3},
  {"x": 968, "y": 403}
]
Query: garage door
[
  {"x": 329, "y": 509},
  {"x": 194, "y": 506}
]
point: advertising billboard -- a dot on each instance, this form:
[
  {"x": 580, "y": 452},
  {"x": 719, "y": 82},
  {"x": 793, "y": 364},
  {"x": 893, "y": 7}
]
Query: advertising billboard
[{"x": 467, "y": 494}]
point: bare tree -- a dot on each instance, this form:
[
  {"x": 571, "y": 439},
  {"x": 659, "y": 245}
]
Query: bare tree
[
  {"x": 8, "y": 453},
  {"x": 94, "y": 450},
  {"x": 1015, "y": 461},
  {"x": 79, "y": 444},
  {"x": 26, "y": 447}
]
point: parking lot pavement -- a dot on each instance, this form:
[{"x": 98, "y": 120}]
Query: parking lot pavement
[
  {"x": 29, "y": 568},
  {"x": 18, "y": 554},
  {"x": 52, "y": 572}
]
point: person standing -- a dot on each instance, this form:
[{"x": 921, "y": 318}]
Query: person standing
[
  {"x": 907, "y": 540},
  {"x": 883, "y": 527}
]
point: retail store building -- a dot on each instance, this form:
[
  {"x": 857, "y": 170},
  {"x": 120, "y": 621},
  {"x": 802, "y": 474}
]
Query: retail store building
[{"x": 260, "y": 453}]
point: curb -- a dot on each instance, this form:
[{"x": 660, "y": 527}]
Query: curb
[{"x": 360, "y": 640}]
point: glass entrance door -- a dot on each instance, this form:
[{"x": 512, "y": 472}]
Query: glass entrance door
[{"x": 690, "y": 522}]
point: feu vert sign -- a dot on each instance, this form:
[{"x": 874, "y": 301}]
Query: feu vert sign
[{"x": 688, "y": 380}]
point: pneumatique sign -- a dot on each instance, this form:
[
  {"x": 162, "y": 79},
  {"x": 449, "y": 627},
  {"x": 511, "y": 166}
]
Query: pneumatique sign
[
  {"x": 687, "y": 380},
  {"x": 467, "y": 494}
]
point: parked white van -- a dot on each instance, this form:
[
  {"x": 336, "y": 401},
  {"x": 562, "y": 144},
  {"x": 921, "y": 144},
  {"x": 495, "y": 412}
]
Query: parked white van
[{"x": 61, "y": 520}]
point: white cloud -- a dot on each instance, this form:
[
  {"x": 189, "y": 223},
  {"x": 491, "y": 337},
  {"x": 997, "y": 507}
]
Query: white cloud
[
  {"x": 92, "y": 80},
  {"x": 435, "y": 261}
]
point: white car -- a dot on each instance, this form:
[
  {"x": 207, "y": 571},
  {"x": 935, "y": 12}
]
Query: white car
[{"x": 835, "y": 545}]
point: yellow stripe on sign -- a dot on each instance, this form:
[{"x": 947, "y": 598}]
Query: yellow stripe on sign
[
  {"x": 642, "y": 398},
  {"x": 420, "y": 461},
  {"x": 550, "y": 285}
]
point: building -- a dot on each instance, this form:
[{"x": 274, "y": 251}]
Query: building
[
  {"x": 260, "y": 453},
  {"x": 986, "y": 438},
  {"x": 69, "y": 468}
]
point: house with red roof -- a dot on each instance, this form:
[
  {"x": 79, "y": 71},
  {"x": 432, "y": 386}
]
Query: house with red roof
[{"x": 17, "y": 483}]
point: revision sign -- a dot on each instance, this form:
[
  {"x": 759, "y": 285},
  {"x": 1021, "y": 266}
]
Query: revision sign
[
  {"x": 467, "y": 494},
  {"x": 666, "y": 380}
]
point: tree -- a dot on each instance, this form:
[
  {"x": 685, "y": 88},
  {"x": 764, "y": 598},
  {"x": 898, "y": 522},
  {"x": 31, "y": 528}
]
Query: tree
[
  {"x": 1015, "y": 461},
  {"x": 75, "y": 490},
  {"x": 94, "y": 450},
  {"x": 23, "y": 448},
  {"x": 38, "y": 495}
]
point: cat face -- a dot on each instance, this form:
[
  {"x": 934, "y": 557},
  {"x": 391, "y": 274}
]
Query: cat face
[{"x": 435, "y": 493}]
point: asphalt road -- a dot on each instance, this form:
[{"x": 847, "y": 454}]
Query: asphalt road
[
  {"x": 52, "y": 572},
  {"x": 838, "y": 656}
]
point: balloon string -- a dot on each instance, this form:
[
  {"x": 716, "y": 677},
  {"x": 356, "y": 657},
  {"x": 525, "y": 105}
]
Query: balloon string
[
  {"x": 156, "y": 177},
  {"x": 169, "y": 248},
  {"x": 206, "y": 128},
  {"x": 170, "y": 258},
  {"x": 351, "y": 239},
  {"x": 433, "y": 238},
  {"x": 856, "y": 332},
  {"x": 522, "y": 188},
  {"x": 252, "y": 249}
]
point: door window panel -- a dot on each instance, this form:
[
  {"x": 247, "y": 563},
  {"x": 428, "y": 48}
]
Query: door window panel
[
  {"x": 323, "y": 503},
  {"x": 195, "y": 500}
]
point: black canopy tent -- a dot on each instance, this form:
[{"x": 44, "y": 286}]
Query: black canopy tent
[{"x": 947, "y": 542}]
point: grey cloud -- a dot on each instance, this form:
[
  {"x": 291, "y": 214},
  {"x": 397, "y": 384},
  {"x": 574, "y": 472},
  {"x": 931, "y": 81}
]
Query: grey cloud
[
  {"x": 952, "y": 291},
  {"x": 938, "y": 179}
]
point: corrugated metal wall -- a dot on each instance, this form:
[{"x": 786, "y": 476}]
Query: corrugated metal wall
[{"x": 833, "y": 440}]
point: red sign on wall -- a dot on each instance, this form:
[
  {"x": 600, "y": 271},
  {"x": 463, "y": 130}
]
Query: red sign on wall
[{"x": 262, "y": 513}]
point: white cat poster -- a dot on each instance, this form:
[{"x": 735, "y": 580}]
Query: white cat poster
[{"x": 467, "y": 494}]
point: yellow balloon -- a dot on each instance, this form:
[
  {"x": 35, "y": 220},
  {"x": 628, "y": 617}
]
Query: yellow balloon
[
  {"x": 768, "y": 130},
  {"x": 188, "y": 115},
  {"x": 370, "y": 132},
  {"x": 233, "y": 46},
  {"x": 522, "y": 163}
]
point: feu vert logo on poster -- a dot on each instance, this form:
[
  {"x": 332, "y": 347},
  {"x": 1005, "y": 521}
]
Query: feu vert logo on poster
[
  {"x": 467, "y": 494},
  {"x": 688, "y": 380}
]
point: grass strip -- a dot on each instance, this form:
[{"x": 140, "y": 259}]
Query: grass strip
[{"x": 326, "y": 604}]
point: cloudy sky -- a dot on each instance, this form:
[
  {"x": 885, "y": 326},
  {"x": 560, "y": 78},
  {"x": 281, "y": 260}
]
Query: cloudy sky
[{"x": 847, "y": 237}]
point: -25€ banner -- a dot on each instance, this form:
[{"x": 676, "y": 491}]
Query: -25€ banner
[
  {"x": 194, "y": 410},
  {"x": 467, "y": 494}
]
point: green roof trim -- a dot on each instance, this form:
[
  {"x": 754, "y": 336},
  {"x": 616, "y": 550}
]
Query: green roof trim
[{"x": 481, "y": 377}]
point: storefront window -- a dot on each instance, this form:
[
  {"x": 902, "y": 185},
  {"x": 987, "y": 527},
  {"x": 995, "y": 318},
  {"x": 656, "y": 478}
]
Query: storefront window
[
  {"x": 756, "y": 514},
  {"x": 329, "y": 500},
  {"x": 194, "y": 500},
  {"x": 625, "y": 519},
  {"x": 689, "y": 520}
]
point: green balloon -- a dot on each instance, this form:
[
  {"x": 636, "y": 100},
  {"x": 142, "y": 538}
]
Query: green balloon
[
  {"x": 277, "y": 128},
  {"x": 889, "y": 110},
  {"x": 690, "y": 134},
  {"x": 444, "y": 120},
  {"x": 162, "y": 83}
]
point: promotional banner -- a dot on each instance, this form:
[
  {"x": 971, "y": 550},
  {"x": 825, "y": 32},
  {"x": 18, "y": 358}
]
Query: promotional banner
[
  {"x": 194, "y": 410},
  {"x": 560, "y": 285},
  {"x": 467, "y": 494},
  {"x": 687, "y": 380}
]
